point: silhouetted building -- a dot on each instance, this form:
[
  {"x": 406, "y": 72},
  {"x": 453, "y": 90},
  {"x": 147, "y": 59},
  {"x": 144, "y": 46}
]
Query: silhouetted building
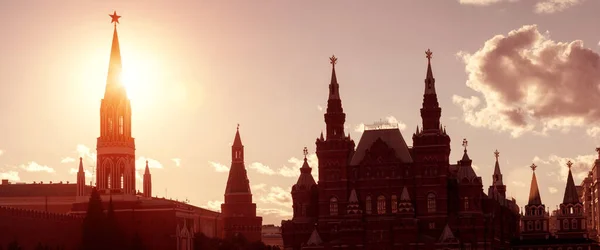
[
  {"x": 160, "y": 223},
  {"x": 571, "y": 230},
  {"x": 239, "y": 213},
  {"x": 384, "y": 194}
]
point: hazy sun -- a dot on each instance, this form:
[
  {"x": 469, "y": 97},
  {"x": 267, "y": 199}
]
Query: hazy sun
[{"x": 141, "y": 78}]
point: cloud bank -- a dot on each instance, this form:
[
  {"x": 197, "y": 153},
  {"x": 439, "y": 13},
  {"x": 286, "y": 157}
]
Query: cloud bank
[
  {"x": 530, "y": 83},
  {"x": 540, "y": 7}
]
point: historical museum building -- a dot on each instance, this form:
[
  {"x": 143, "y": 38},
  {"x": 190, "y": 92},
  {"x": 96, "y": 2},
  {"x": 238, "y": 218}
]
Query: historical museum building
[
  {"x": 383, "y": 194},
  {"x": 58, "y": 208}
]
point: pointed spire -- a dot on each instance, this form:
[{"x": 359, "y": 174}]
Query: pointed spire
[
  {"x": 80, "y": 164},
  {"x": 497, "y": 174},
  {"x": 237, "y": 141},
  {"x": 322, "y": 138},
  {"x": 534, "y": 191},
  {"x": 305, "y": 167},
  {"x": 113, "y": 81},
  {"x": 305, "y": 180},
  {"x": 465, "y": 157},
  {"x": 429, "y": 80},
  {"x": 571, "y": 196},
  {"x": 405, "y": 204},
  {"x": 353, "y": 204},
  {"x": 447, "y": 235},
  {"x": 334, "y": 87},
  {"x": 147, "y": 170}
]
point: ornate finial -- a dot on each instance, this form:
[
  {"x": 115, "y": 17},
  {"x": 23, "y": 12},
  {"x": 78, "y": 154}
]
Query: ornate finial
[
  {"x": 569, "y": 164},
  {"x": 115, "y": 18},
  {"x": 333, "y": 60},
  {"x": 533, "y": 167},
  {"x": 465, "y": 143},
  {"x": 497, "y": 154},
  {"x": 305, "y": 151},
  {"x": 238, "y": 127},
  {"x": 428, "y": 54}
]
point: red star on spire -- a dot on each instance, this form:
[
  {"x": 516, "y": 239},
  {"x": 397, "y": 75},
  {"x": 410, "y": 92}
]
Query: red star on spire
[{"x": 115, "y": 17}]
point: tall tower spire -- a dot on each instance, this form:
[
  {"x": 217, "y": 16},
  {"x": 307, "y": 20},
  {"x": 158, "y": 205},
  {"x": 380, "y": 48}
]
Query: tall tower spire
[
  {"x": 335, "y": 116},
  {"x": 534, "y": 191},
  {"x": 239, "y": 213},
  {"x": 147, "y": 182},
  {"x": 571, "y": 196},
  {"x": 431, "y": 111},
  {"x": 80, "y": 179},
  {"x": 116, "y": 148}
]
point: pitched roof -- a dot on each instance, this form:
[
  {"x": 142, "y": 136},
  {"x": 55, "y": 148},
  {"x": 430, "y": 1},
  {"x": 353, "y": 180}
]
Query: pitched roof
[
  {"x": 534, "y": 192},
  {"x": 391, "y": 137},
  {"x": 305, "y": 179},
  {"x": 315, "y": 239},
  {"x": 571, "y": 196},
  {"x": 447, "y": 235}
]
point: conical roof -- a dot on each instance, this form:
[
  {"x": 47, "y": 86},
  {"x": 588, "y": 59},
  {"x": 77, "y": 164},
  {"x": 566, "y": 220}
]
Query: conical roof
[
  {"x": 571, "y": 195},
  {"x": 147, "y": 170},
  {"x": 305, "y": 179},
  {"x": 534, "y": 191},
  {"x": 429, "y": 80},
  {"x": 447, "y": 235},
  {"x": 81, "y": 164},
  {"x": 115, "y": 68}
]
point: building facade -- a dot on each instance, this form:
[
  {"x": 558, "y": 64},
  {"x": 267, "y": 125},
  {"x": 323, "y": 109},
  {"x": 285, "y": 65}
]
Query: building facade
[{"x": 383, "y": 194}]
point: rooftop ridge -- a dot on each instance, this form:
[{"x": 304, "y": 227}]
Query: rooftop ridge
[{"x": 39, "y": 214}]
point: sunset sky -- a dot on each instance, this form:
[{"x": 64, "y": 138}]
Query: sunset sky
[{"x": 518, "y": 76}]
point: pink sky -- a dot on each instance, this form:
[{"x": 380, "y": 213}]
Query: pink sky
[{"x": 200, "y": 67}]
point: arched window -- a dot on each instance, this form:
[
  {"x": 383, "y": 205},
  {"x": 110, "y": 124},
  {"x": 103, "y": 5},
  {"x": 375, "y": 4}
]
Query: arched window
[
  {"x": 333, "y": 206},
  {"x": 574, "y": 224},
  {"x": 431, "y": 202},
  {"x": 538, "y": 225},
  {"x": 368, "y": 204},
  {"x": 109, "y": 184},
  {"x": 381, "y": 204},
  {"x": 394, "y": 204},
  {"x": 466, "y": 203},
  {"x": 121, "y": 125},
  {"x": 565, "y": 224},
  {"x": 122, "y": 182},
  {"x": 530, "y": 226}
]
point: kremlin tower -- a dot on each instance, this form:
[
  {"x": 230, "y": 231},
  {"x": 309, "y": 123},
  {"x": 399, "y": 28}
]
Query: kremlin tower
[{"x": 239, "y": 213}]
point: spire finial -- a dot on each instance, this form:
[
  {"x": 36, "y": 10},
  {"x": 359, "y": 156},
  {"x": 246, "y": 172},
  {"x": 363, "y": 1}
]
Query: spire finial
[
  {"x": 465, "y": 143},
  {"x": 238, "y": 127},
  {"x": 428, "y": 55},
  {"x": 598, "y": 150},
  {"x": 305, "y": 151},
  {"x": 569, "y": 164},
  {"x": 533, "y": 167},
  {"x": 497, "y": 154},
  {"x": 115, "y": 18},
  {"x": 333, "y": 60}
]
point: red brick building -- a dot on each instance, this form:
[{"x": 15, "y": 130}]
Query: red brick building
[{"x": 383, "y": 194}]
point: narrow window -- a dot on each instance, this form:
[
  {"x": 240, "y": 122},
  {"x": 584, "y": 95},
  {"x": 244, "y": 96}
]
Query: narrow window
[
  {"x": 368, "y": 204},
  {"x": 110, "y": 125},
  {"x": 333, "y": 206},
  {"x": 381, "y": 204},
  {"x": 431, "y": 202},
  {"x": 121, "y": 125},
  {"x": 574, "y": 224},
  {"x": 109, "y": 186},
  {"x": 565, "y": 224},
  {"x": 466, "y": 203},
  {"x": 394, "y": 204}
]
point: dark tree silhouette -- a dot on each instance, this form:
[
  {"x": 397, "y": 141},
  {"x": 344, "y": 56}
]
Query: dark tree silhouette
[
  {"x": 237, "y": 242},
  {"x": 94, "y": 227},
  {"x": 14, "y": 245},
  {"x": 114, "y": 235}
]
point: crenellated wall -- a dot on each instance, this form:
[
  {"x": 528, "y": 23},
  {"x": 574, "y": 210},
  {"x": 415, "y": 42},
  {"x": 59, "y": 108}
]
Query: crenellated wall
[{"x": 30, "y": 228}]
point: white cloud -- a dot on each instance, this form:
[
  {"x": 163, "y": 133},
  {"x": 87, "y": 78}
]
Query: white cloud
[
  {"x": 475, "y": 167},
  {"x": 529, "y": 83},
  {"x": 10, "y": 175},
  {"x": 1, "y": 152},
  {"x": 360, "y": 128},
  {"x": 262, "y": 169},
  {"x": 293, "y": 169},
  {"x": 553, "y": 6},
  {"x": 593, "y": 131},
  {"x": 259, "y": 187},
  {"x": 35, "y": 167},
  {"x": 140, "y": 163},
  {"x": 67, "y": 160},
  {"x": 552, "y": 190},
  {"x": 274, "y": 212},
  {"x": 519, "y": 183},
  {"x": 278, "y": 196},
  {"x": 177, "y": 161},
  {"x": 89, "y": 156},
  {"x": 213, "y": 205},
  {"x": 391, "y": 120},
  {"x": 319, "y": 107},
  {"x": 219, "y": 167},
  {"x": 88, "y": 174}
]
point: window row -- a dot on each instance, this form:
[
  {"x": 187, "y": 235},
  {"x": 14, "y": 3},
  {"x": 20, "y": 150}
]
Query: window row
[{"x": 381, "y": 204}]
